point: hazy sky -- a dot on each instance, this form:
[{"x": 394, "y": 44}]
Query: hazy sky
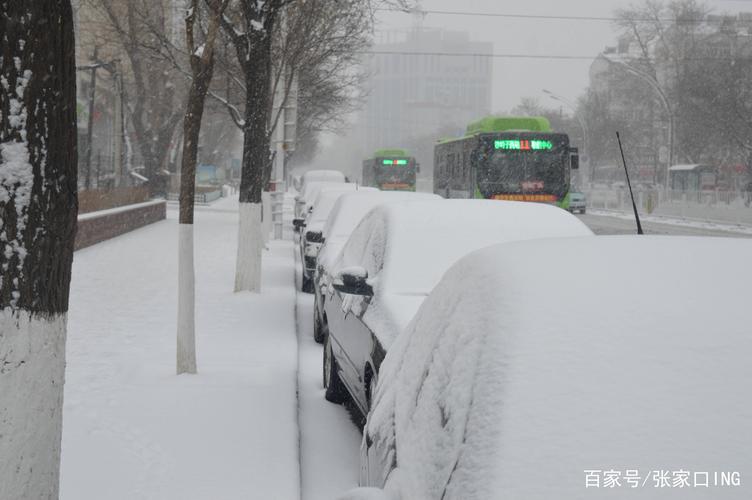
[{"x": 517, "y": 78}]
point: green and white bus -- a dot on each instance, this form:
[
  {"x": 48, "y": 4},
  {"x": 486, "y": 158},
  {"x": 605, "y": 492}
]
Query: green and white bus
[
  {"x": 506, "y": 158},
  {"x": 390, "y": 170}
]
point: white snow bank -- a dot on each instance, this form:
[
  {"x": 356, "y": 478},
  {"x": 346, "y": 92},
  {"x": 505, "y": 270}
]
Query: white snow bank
[{"x": 532, "y": 362}]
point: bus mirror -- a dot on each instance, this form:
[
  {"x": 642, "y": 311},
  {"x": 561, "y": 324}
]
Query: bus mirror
[
  {"x": 417, "y": 168},
  {"x": 574, "y": 157}
]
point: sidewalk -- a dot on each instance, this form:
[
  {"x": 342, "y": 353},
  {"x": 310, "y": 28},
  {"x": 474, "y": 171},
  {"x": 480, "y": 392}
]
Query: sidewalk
[{"x": 132, "y": 429}]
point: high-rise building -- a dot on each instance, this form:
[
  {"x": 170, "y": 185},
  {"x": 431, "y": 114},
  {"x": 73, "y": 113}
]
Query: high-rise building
[{"x": 411, "y": 97}]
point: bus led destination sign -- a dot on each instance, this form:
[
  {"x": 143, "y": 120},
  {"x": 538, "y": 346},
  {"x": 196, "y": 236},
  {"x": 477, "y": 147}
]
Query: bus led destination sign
[
  {"x": 395, "y": 162},
  {"x": 523, "y": 144}
]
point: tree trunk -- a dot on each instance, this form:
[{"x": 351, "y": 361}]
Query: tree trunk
[
  {"x": 202, "y": 68},
  {"x": 38, "y": 207},
  {"x": 186, "y": 338},
  {"x": 257, "y": 72}
]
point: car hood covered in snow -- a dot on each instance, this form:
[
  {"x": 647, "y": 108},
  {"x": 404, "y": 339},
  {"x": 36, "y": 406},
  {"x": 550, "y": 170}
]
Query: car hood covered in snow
[{"x": 534, "y": 362}]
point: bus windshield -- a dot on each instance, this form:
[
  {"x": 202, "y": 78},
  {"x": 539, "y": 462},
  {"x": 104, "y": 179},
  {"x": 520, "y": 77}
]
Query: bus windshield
[
  {"x": 518, "y": 172},
  {"x": 395, "y": 176}
]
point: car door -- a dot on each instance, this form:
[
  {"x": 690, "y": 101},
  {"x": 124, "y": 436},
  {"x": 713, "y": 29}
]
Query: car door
[{"x": 351, "y": 337}]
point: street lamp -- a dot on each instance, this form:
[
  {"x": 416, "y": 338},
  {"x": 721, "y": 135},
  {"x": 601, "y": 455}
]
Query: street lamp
[
  {"x": 664, "y": 99},
  {"x": 579, "y": 119}
]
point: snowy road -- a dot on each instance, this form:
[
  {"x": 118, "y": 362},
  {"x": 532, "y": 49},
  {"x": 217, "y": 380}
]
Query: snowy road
[{"x": 609, "y": 224}]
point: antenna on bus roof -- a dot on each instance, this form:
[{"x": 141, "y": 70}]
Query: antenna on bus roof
[{"x": 631, "y": 194}]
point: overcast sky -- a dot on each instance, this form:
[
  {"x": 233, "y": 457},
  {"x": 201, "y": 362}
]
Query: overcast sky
[{"x": 517, "y": 78}]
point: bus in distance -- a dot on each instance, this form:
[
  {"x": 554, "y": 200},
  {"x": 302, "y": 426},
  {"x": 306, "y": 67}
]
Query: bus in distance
[
  {"x": 390, "y": 170},
  {"x": 506, "y": 158}
]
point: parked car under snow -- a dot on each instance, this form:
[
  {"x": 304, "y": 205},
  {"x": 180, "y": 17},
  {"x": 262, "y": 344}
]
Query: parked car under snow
[
  {"x": 532, "y": 363},
  {"x": 313, "y": 229},
  {"x": 393, "y": 259},
  {"x": 347, "y": 212}
]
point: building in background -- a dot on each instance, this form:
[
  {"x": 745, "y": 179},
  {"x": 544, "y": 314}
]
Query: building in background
[{"x": 412, "y": 100}]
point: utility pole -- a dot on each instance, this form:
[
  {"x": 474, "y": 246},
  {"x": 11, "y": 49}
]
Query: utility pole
[{"x": 89, "y": 130}]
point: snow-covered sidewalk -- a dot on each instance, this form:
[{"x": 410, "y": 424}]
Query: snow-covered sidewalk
[{"x": 133, "y": 429}]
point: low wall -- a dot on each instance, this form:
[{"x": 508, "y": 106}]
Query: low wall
[{"x": 98, "y": 226}]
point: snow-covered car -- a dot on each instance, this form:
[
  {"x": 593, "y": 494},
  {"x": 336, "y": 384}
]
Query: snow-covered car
[
  {"x": 577, "y": 202},
  {"x": 304, "y": 201},
  {"x": 347, "y": 212},
  {"x": 313, "y": 229},
  {"x": 537, "y": 368},
  {"x": 393, "y": 259},
  {"x": 322, "y": 176}
]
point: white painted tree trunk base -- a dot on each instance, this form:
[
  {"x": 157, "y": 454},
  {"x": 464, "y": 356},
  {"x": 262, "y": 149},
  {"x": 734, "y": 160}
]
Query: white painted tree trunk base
[
  {"x": 250, "y": 244},
  {"x": 266, "y": 201},
  {"x": 186, "y": 337},
  {"x": 32, "y": 371}
]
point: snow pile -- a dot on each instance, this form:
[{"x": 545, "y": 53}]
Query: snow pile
[
  {"x": 532, "y": 362},
  {"x": 407, "y": 246}
]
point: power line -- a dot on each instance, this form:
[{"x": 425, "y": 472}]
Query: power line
[
  {"x": 547, "y": 17},
  {"x": 529, "y": 56}
]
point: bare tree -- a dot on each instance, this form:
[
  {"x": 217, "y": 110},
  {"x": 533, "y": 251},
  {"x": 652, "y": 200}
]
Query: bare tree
[
  {"x": 250, "y": 26},
  {"x": 38, "y": 207},
  {"x": 141, "y": 30},
  {"x": 202, "y": 70}
]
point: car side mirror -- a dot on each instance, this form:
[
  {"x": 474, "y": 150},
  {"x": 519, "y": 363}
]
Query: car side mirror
[
  {"x": 298, "y": 223},
  {"x": 574, "y": 158},
  {"x": 314, "y": 237},
  {"x": 353, "y": 281}
]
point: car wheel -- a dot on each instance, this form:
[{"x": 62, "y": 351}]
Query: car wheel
[
  {"x": 319, "y": 332},
  {"x": 307, "y": 284},
  {"x": 335, "y": 389},
  {"x": 582, "y": 211}
]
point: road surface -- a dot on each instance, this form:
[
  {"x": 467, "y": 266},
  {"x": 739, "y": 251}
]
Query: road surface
[{"x": 602, "y": 224}]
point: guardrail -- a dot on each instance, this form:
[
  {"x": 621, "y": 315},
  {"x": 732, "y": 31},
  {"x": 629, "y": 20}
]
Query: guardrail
[
  {"x": 706, "y": 205},
  {"x": 206, "y": 197}
]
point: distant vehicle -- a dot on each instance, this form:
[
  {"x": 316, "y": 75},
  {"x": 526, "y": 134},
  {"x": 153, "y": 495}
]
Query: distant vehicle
[
  {"x": 577, "y": 202},
  {"x": 394, "y": 258},
  {"x": 506, "y": 158},
  {"x": 313, "y": 235},
  {"x": 390, "y": 170},
  {"x": 347, "y": 212},
  {"x": 504, "y": 374}
]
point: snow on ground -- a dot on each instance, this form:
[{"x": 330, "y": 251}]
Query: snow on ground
[
  {"x": 132, "y": 428},
  {"x": 330, "y": 442}
]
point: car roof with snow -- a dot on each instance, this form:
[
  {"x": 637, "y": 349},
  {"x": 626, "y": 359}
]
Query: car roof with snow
[
  {"x": 407, "y": 246},
  {"x": 323, "y": 176},
  {"x": 348, "y": 211},
  {"x": 550, "y": 358},
  {"x": 311, "y": 190},
  {"x": 326, "y": 199}
]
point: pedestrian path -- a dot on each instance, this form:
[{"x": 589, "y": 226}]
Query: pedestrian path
[{"x": 133, "y": 429}]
